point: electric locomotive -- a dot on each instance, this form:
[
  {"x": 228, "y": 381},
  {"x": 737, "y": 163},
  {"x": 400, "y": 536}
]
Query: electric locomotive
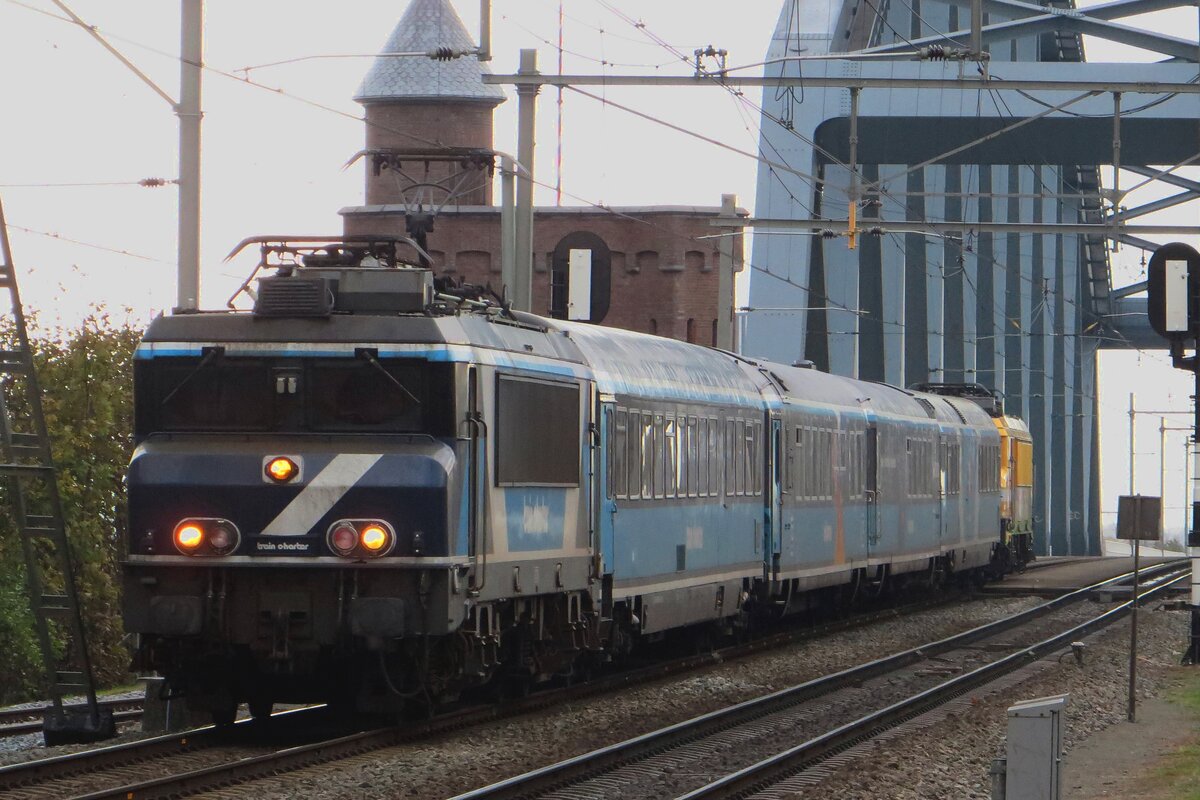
[{"x": 375, "y": 489}]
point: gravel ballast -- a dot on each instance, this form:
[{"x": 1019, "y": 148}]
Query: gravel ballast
[{"x": 456, "y": 763}]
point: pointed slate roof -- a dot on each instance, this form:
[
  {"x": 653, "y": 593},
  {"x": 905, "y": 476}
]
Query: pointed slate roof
[{"x": 428, "y": 24}]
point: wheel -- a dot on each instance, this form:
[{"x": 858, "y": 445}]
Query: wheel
[
  {"x": 223, "y": 716},
  {"x": 260, "y": 709}
]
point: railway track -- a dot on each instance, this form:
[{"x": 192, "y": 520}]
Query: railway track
[
  {"x": 900, "y": 687},
  {"x": 176, "y": 765},
  {"x": 23, "y": 721},
  {"x": 204, "y": 759}
]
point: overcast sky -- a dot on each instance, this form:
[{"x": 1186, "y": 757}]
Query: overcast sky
[{"x": 71, "y": 114}]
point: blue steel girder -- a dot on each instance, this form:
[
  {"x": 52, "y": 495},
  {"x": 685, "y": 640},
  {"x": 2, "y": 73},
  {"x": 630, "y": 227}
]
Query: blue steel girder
[
  {"x": 1165, "y": 177},
  {"x": 1095, "y": 21},
  {"x": 1155, "y": 129},
  {"x": 1153, "y": 205},
  {"x": 1119, "y": 9}
]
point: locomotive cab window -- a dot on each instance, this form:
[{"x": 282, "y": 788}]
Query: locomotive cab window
[
  {"x": 537, "y": 432},
  {"x": 361, "y": 394},
  {"x": 217, "y": 393},
  {"x": 209, "y": 393}
]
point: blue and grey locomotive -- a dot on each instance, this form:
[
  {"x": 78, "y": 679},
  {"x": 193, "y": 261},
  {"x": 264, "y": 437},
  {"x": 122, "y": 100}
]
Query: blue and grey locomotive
[{"x": 368, "y": 490}]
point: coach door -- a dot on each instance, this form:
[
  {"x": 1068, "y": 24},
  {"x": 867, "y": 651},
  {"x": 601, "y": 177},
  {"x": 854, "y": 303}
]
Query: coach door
[
  {"x": 871, "y": 486},
  {"x": 775, "y": 489}
]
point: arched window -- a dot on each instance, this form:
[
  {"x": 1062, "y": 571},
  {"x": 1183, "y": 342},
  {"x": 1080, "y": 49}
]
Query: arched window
[
  {"x": 647, "y": 259},
  {"x": 582, "y": 292},
  {"x": 693, "y": 260}
]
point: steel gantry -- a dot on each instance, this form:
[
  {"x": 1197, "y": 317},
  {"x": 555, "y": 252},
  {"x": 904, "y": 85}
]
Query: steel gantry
[{"x": 930, "y": 204}]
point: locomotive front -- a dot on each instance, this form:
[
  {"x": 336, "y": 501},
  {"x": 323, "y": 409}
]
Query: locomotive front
[{"x": 295, "y": 498}]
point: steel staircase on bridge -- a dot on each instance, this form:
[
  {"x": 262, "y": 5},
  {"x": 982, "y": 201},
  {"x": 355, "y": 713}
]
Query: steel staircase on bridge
[{"x": 29, "y": 485}]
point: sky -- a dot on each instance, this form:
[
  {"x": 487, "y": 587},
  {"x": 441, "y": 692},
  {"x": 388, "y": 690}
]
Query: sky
[{"x": 276, "y": 139}]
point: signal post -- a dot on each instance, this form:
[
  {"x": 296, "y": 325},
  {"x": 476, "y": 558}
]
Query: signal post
[{"x": 1173, "y": 289}]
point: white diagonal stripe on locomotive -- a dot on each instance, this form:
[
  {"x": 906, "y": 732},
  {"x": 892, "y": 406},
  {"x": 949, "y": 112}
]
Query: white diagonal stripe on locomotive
[{"x": 321, "y": 494}]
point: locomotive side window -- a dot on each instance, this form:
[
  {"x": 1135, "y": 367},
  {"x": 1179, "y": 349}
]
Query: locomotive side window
[{"x": 539, "y": 449}]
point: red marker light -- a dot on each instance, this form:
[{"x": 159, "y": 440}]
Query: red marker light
[{"x": 344, "y": 539}]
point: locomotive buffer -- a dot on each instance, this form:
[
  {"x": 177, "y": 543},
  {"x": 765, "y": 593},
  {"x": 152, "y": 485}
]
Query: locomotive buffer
[{"x": 27, "y": 475}]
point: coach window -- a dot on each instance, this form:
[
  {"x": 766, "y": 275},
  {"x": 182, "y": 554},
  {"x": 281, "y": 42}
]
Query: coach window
[
  {"x": 670, "y": 457},
  {"x": 633, "y": 454},
  {"x": 754, "y": 476},
  {"x": 619, "y": 472},
  {"x": 660, "y": 466},
  {"x": 826, "y": 454},
  {"x": 914, "y": 467},
  {"x": 694, "y": 454},
  {"x": 738, "y": 455},
  {"x": 647, "y": 456},
  {"x": 541, "y": 450},
  {"x": 702, "y": 457},
  {"x": 714, "y": 457}
]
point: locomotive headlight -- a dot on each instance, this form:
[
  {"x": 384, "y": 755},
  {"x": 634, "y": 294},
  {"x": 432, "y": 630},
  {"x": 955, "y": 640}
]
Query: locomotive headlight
[
  {"x": 188, "y": 537},
  {"x": 206, "y": 536},
  {"x": 281, "y": 469},
  {"x": 361, "y": 538},
  {"x": 375, "y": 538}
]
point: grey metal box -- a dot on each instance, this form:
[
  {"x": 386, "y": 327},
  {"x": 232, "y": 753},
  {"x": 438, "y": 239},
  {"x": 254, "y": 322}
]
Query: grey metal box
[{"x": 1035, "y": 748}]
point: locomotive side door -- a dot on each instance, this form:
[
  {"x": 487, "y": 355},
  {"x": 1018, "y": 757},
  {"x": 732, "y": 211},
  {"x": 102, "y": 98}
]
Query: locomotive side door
[{"x": 871, "y": 485}]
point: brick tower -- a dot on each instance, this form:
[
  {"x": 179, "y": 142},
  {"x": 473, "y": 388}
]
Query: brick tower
[
  {"x": 417, "y": 106},
  {"x": 429, "y": 149}
]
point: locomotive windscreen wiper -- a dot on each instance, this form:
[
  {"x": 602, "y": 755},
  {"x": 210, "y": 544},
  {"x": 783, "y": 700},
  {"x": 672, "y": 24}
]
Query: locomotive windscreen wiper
[
  {"x": 370, "y": 358},
  {"x": 210, "y": 355}
]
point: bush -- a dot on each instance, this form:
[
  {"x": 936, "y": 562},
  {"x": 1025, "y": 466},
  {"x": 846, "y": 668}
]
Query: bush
[{"x": 86, "y": 374}]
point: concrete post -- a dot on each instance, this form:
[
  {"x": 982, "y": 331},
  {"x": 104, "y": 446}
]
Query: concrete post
[
  {"x": 725, "y": 273},
  {"x": 522, "y": 286},
  {"x": 508, "y": 226},
  {"x": 189, "y": 110}
]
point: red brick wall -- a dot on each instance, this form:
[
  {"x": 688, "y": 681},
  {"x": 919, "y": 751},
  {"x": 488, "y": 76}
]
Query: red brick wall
[
  {"x": 662, "y": 274},
  {"x": 426, "y": 126}
]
